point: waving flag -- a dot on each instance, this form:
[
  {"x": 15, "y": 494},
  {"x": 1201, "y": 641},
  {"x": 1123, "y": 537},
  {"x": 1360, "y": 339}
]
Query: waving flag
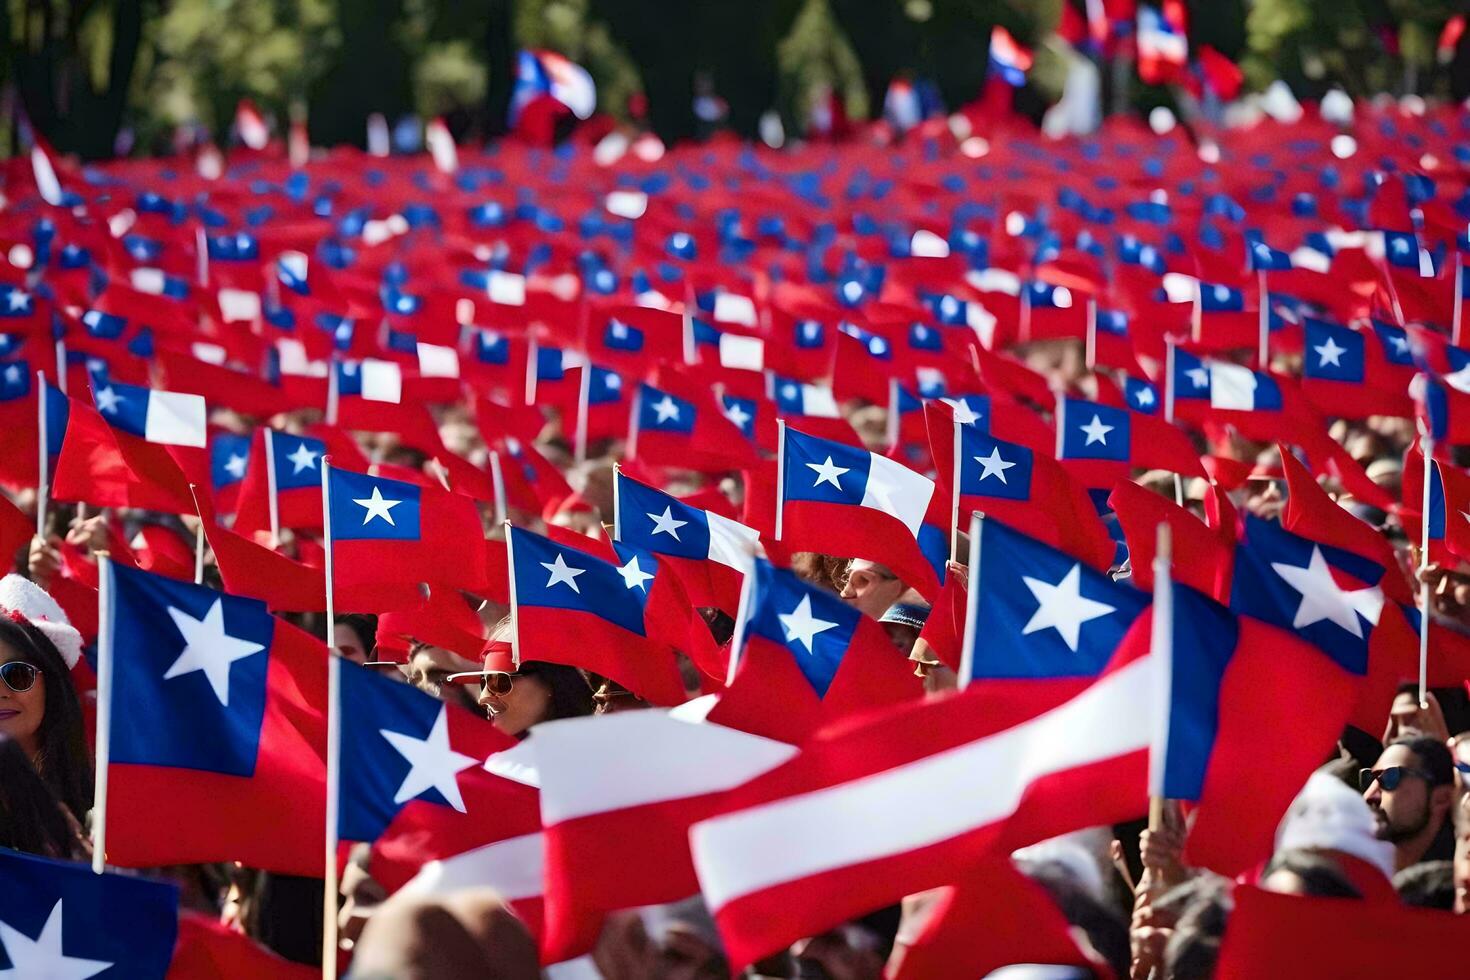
[
  {"x": 845, "y": 501},
  {"x": 217, "y": 708},
  {"x": 122, "y": 466},
  {"x": 1163, "y": 44},
  {"x": 640, "y": 778},
  {"x": 686, "y": 430},
  {"x": 1345, "y": 373},
  {"x": 61, "y": 919},
  {"x": 1094, "y": 436},
  {"x": 619, "y": 619},
  {"x": 386, "y": 531},
  {"x": 1008, "y": 59},
  {"x": 419, "y": 777},
  {"x": 708, "y": 552}
]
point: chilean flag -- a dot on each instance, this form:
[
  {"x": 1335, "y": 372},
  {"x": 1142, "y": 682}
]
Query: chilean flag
[
  {"x": 636, "y": 781},
  {"x": 687, "y": 430},
  {"x": 840, "y": 500},
  {"x": 1008, "y": 59},
  {"x": 708, "y": 552},
  {"x": 1163, "y": 42},
  {"x": 1098, "y": 443},
  {"x": 619, "y": 619},
  {"x": 216, "y": 707},
  {"x": 424, "y": 780}
]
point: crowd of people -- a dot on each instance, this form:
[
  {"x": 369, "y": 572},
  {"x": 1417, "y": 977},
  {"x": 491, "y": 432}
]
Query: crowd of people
[{"x": 1384, "y": 821}]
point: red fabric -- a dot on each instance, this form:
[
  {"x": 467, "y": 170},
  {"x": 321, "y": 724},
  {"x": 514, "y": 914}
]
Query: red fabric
[
  {"x": 207, "y": 949},
  {"x": 103, "y": 466}
]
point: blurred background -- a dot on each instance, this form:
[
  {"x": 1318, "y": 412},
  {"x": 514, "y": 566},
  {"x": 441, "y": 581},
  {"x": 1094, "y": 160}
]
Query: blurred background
[{"x": 117, "y": 77}]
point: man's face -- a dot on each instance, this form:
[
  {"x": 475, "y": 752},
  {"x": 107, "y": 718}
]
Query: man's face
[
  {"x": 429, "y": 666},
  {"x": 1402, "y": 813},
  {"x": 1461, "y": 867}
]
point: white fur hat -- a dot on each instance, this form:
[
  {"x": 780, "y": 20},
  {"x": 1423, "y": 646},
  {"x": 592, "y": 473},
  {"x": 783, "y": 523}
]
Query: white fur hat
[{"x": 21, "y": 595}]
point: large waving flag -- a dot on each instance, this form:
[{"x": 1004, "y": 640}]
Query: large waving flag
[
  {"x": 621, "y": 619},
  {"x": 218, "y": 708},
  {"x": 710, "y": 553},
  {"x": 420, "y": 780},
  {"x": 840, "y": 500}
]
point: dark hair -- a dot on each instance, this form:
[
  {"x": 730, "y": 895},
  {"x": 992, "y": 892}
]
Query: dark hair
[
  {"x": 1321, "y": 876},
  {"x": 64, "y": 761},
  {"x": 1427, "y": 885},
  {"x": 1204, "y": 905},
  {"x": 1106, "y": 930},
  {"x": 363, "y": 625},
  {"x": 1433, "y": 754},
  {"x": 571, "y": 695},
  {"x": 31, "y": 817}
]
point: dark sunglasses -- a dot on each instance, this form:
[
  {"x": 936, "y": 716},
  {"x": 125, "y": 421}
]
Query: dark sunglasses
[
  {"x": 19, "y": 676},
  {"x": 496, "y": 682},
  {"x": 1391, "y": 777}
]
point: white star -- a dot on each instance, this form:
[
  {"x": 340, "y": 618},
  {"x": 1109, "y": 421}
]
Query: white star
[
  {"x": 994, "y": 465},
  {"x": 1399, "y": 245},
  {"x": 963, "y": 413},
  {"x": 666, "y": 409},
  {"x": 1221, "y": 294},
  {"x": 562, "y": 572},
  {"x": 235, "y": 465},
  {"x": 921, "y": 332},
  {"x": 619, "y": 330},
  {"x": 801, "y": 626},
  {"x": 1199, "y": 377},
  {"x": 666, "y": 523},
  {"x": 811, "y": 330},
  {"x": 107, "y": 400},
  {"x": 634, "y": 577},
  {"x": 19, "y": 300},
  {"x": 1062, "y": 607},
  {"x": 877, "y": 346},
  {"x": 788, "y": 391},
  {"x": 1329, "y": 353},
  {"x": 305, "y": 459},
  {"x": 1323, "y": 598},
  {"x": 377, "y": 506},
  {"x": 207, "y": 647},
  {"x": 433, "y": 764},
  {"x": 1400, "y": 344},
  {"x": 43, "y": 956},
  {"x": 12, "y": 373},
  {"x": 1144, "y": 396},
  {"x": 828, "y": 473},
  {"x": 737, "y": 415},
  {"x": 349, "y": 368},
  {"x": 1096, "y": 431},
  {"x": 612, "y": 382}
]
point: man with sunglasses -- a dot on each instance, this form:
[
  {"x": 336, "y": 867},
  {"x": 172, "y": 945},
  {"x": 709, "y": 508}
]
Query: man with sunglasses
[{"x": 1410, "y": 791}]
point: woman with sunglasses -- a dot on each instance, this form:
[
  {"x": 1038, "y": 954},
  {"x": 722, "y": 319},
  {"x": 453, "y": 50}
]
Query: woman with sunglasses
[
  {"x": 517, "y": 697},
  {"x": 40, "y": 711}
]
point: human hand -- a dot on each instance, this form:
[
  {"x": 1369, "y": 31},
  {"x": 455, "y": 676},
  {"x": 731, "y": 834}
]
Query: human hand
[{"x": 43, "y": 560}]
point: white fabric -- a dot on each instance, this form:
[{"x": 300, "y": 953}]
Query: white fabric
[
  {"x": 20, "y": 594},
  {"x": 381, "y": 381},
  {"x": 175, "y": 419},
  {"x": 897, "y": 491}
]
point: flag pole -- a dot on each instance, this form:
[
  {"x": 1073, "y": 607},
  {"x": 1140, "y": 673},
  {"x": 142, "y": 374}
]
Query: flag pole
[
  {"x": 972, "y": 601},
  {"x": 1427, "y": 447},
  {"x": 584, "y": 396},
  {"x": 198, "y": 537},
  {"x": 1459, "y": 302},
  {"x": 497, "y": 486},
  {"x": 742, "y": 613},
  {"x": 104, "y": 711},
  {"x": 1263, "y": 351},
  {"x": 1161, "y": 650},
  {"x": 617, "y": 502},
  {"x": 334, "y": 742},
  {"x": 61, "y": 366},
  {"x": 1059, "y": 412},
  {"x": 631, "y": 451},
  {"x": 892, "y": 423},
  {"x": 954, "y": 496},
  {"x": 515, "y": 618},
  {"x": 270, "y": 487},
  {"x": 780, "y": 473},
  {"x": 1169, "y": 408},
  {"x": 1090, "y": 344},
  {"x": 43, "y": 461}
]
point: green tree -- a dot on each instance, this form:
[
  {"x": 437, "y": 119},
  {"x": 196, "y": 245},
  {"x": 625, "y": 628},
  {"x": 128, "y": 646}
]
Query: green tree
[{"x": 816, "y": 56}]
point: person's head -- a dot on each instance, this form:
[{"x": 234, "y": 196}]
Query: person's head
[
  {"x": 1410, "y": 790},
  {"x": 1461, "y": 867},
  {"x": 904, "y": 621},
  {"x": 40, "y": 711},
  {"x": 1200, "y": 909},
  {"x": 870, "y": 587},
  {"x": 429, "y": 667},
  {"x": 517, "y": 697},
  {"x": 1427, "y": 885},
  {"x": 354, "y": 635},
  {"x": 1307, "y": 873},
  {"x": 31, "y": 817}
]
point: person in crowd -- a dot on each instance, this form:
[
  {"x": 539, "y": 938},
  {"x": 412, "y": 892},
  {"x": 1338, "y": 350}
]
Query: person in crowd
[
  {"x": 429, "y": 669},
  {"x": 518, "y": 696},
  {"x": 904, "y": 620},
  {"x": 1309, "y": 873},
  {"x": 32, "y": 819},
  {"x": 469, "y": 933},
  {"x": 1410, "y": 790},
  {"x": 1461, "y": 863},
  {"x": 870, "y": 587},
  {"x": 1330, "y": 820},
  {"x": 355, "y": 635},
  {"x": 1428, "y": 885},
  {"x": 39, "y": 707}
]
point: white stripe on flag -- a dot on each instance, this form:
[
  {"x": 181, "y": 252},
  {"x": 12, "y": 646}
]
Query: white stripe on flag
[
  {"x": 1232, "y": 387},
  {"x": 735, "y": 308},
  {"x": 632, "y": 758},
  {"x": 381, "y": 381},
  {"x": 897, "y": 491},
  {"x": 732, "y": 543},
  {"x": 742, "y": 353},
  {"x": 506, "y": 288},
  {"x": 923, "y": 802},
  {"x": 512, "y": 867},
  {"x": 817, "y": 401},
  {"x": 438, "y": 362},
  {"x": 175, "y": 419}
]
